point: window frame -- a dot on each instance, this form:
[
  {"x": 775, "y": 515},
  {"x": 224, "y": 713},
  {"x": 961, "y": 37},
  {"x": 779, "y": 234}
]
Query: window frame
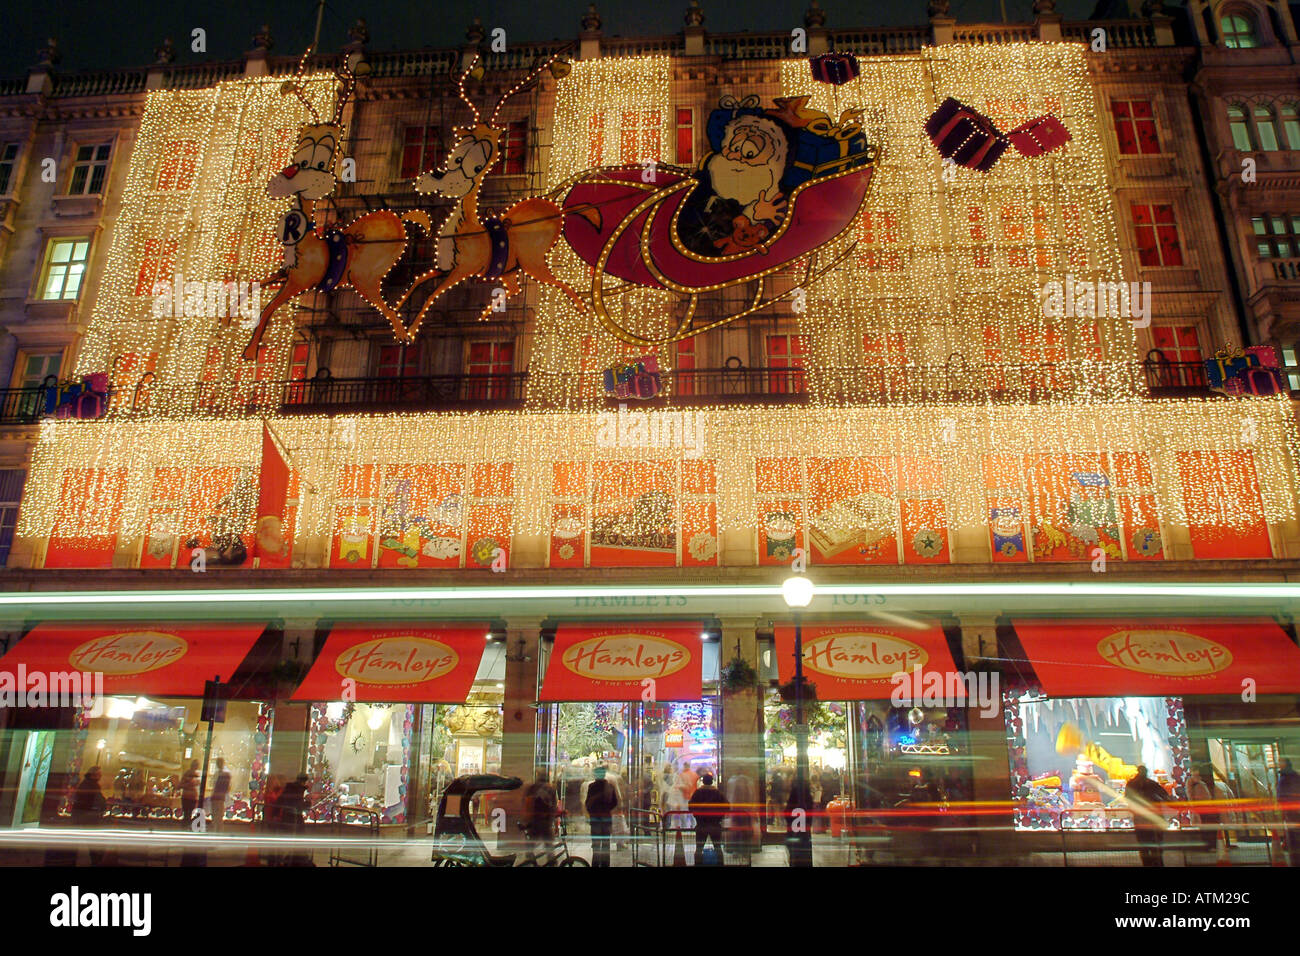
[
  {"x": 1247, "y": 26},
  {"x": 1133, "y": 125},
  {"x": 1270, "y": 238},
  {"x": 90, "y": 164},
  {"x": 48, "y": 263},
  {"x": 431, "y": 140},
  {"x": 1157, "y": 231},
  {"x": 20, "y": 378},
  {"x": 9, "y": 166},
  {"x": 9, "y": 507}
]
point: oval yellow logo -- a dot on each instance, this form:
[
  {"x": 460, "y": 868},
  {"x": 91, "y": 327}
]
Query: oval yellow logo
[
  {"x": 629, "y": 657},
  {"x": 1168, "y": 653},
  {"x": 130, "y": 652},
  {"x": 862, "y": 655},
  {"x": 397, "y": 660}
]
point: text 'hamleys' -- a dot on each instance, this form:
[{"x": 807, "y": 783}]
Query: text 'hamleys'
[
  {"x": 1175, "y": 653},
  {"x": 629, "y": 657},
  {"x": 397, "y": 660},
  {"x": 131, "y": 652},
  {"x": 862, "y": 656}
]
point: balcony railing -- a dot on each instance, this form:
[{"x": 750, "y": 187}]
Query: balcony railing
[
  {"x": 1173, "y": 379},
  {"x": 425, "y": 392},
  {"x": 22, "y": 406}
]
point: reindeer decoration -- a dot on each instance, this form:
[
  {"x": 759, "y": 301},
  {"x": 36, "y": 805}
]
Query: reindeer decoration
[
  {"x": 497, "y": 248},
  {"x": 357, "y": 255}
]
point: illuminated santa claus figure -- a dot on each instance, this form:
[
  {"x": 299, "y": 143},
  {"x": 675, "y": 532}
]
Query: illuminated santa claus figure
[{"x": 739, "y": 203}]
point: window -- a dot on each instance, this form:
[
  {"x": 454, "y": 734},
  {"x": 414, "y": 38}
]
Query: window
[
  {"x": 298, "y": 362},
  {"x": 11, "y": 494},
  {"x": 1277, "y": 237},
  {"x": 179, "y": 167},
  {"x": 1290, "y": 125},
  {"x": 1292, "y": 366},
  {"x": 886, "y": 361},
  {"x": 642, "y": 136},
  {"x": 393, "y": 364},
  {"x": 1265, "y": 128},
  {"x": 1238, "y": 32},
  {"x": 685, "y": 136},
  {"x": 489, "y": 366},
  {"x": 514, "y": 150},
  {"x": 685, "y": 380},
  {"x": 65, "y": 264},
  {"x": 157, "y": 264},
  {"x": 37, "y": 367},
  {"x": 1178, "y": 343},
  {"x": 89, "y": 170},
  {"x": 785, "y": 352},
  {"x": 419, "y": 150},
  {"x": 1135, "y": 126},
  {"x": 8, "y": 164},
  {"x": 1157, "y": 235},
  {"x": 1240, "y": 128},
  {"x": 596, "y": 138}
]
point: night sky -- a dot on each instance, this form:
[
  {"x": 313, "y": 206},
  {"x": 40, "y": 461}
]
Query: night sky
[{"x": 97, "y": 34}]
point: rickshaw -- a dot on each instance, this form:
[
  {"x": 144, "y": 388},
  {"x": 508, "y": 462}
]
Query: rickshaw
[{"x": 456, "y": 840}]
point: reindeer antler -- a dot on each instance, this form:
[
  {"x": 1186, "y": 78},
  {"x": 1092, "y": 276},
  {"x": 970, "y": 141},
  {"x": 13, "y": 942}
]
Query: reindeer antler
[
  {"x": 347, "y": 84},
  {"x": 460, "y": 85},
  {"x": 523, "y": 84},
  {"x": 295, "y": 85}
]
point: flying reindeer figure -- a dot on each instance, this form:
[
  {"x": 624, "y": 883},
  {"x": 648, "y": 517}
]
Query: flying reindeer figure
[
  {"x": 496, "y": 248},
  {"x": 357, "y": 255}
]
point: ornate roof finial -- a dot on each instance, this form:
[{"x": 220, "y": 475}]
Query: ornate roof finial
[
  {"x": 359, "y": 33},
  {"x": 694, "y": 15},
  {"x": 591, "y": 19},
  {"x": 814, "y": 18},
  {"x": 938, "y": 8},
  {"x": 1044, "y": 6},
  {"x": 49, "y": 54},
  {"x": 262, "y": 39},
  {"x": 165, "y": 53},
  {"x": 476, "y": 33}
]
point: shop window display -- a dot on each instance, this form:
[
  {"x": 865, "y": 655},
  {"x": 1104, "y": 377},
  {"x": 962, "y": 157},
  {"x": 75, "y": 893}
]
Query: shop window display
[
  {"x": 144, "y": 746},
  {"x": 1071, "y": 759}
]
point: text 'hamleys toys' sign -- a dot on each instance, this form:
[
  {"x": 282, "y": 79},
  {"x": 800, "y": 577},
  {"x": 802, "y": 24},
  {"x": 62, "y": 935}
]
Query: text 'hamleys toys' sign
[
  {"x": 1100, "y": 658},
  {"x": 857, "y": 662},
  {"x": 392, "y": 665},
  {"x": 160, "y": 659},
  {"x": 624, "y": 662}
]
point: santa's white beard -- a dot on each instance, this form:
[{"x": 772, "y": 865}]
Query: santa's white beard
[{"x": 733, "y": 180}]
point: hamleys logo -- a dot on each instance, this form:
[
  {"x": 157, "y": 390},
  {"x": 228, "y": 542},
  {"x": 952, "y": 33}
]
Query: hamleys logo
[
  {"x": 397, "y": 660},
  {"x": 1169, "y": 653},
  {"x": 862, "y": 655},
  {"x": 629, "y": 657},
  {"x": 131, "y": 652}
]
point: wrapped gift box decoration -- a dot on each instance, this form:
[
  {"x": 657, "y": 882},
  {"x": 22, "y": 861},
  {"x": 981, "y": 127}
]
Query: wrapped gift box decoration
[
  {"x": 1228, "y": 365},
  {"x": 834, "y": 68},
  {"x": 818, "y": 154},
  {"x": 1039, "y": 136},
  {"x": 1261, "y": 381},
  {"x": 965, "y": 136},
  {"x": 1266, "y": 355}
]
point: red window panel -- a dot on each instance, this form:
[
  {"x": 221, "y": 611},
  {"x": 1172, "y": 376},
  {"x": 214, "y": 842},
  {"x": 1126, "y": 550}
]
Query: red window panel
[
  {"x": 179, "y": 166},
  {"x": 1090, "y": 341},
  {"x": 685, "y": 380},
  {"x": 590, "y": 380},
  {"x": 1135, "y": 126},
  {"x": 596, "y": 138},
  {"x": 995, "y": 376},
  {"x": 1157, "y": 235},
  {"x": 392, "y": 365},
  {"x": 132, "y": 380},
  {"x": 641, "y": 137},
  {"x": 157, "y": 264},
  {"x": 419, "y": 150},
  {"x": 785, "y": 352},
  {"x": 685, "y": 136},
  {"x": 886, "y": 357},
  {"x": 1178, "y": 343},
  {"x": 514, "y": 150},
  {"x": 975, "y": 216},
  {"x": 880, "y": 227},
  {"x": 298, "y": 362},
  {"x": 490, "y": 365},
  {"x": 209, "y": 390}
]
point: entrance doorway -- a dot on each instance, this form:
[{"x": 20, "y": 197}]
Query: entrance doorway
[{"x": 1246, "y": 770}]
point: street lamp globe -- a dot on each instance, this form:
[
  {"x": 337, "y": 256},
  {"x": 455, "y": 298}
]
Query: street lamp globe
[{"x": 797, "y": 591}]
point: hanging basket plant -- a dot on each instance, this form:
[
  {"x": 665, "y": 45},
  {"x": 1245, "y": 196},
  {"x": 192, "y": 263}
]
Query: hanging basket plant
[
  {"x": 738, "y": 675},
  {"x": 787, "y": 691}
]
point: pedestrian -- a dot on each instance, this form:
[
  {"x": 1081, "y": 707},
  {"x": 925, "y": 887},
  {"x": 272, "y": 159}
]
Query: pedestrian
[
  {"x": 601, "y": 800},
  {"x": 190, "y": 794},
  {"x": 742, "y": 827},
  {"x": 709, "y": 807},
  {"x": 1288, "y": 801},
  {"x": 686, "y": 781},
  {"x": 540, "y": 808},
  {"x": 271, "y": 822},
  {"x": 88, "y": 808},
  {"x": 1144, "y": 796},
  {"x": 292, "y": 808},
  {"x": 1198, "y": 794},
  {"x": 778, "y": 793},
  {"x": 220, "y": 794}
]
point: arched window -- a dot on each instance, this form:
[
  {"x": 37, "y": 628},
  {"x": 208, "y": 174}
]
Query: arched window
[
  {"x": 1240, "y": 128},
  {"x": 1291, "y": 125},
  {"x": 1265, "y": 127},
  {"x": 1238, "y": 31}
]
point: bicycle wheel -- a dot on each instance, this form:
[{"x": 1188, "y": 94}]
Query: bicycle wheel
[{"x": 575, "y": 861}]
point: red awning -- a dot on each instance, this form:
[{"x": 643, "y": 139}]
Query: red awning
[
  {"x": 163, "y": 660},
  {"x": 614, "y": 662},
  {"x": 1117, "y": 658},
  {"x": 858, "y": 661},
  {"x": 390, "y": 665}
]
